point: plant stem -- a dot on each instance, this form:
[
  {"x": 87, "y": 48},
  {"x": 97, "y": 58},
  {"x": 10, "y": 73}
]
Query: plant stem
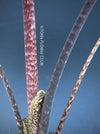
[
  {"x": 76, "y": 87},
  {"x": 44, "y": 121},
  {"x": 30, "y": 50},
  {"x": 13, "y": 102}
]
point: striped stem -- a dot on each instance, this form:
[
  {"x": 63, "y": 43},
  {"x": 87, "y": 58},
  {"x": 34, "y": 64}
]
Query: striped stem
[
  {"x": 76, "y": 87},
  {"x": 44, "y": 121},
  {"x": 30, "y": 50},
  {"x": 12, "y": 100}
]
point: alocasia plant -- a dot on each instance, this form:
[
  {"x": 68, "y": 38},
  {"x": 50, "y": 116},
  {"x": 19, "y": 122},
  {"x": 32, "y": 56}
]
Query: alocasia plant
[{"x": 39, "y": 102}]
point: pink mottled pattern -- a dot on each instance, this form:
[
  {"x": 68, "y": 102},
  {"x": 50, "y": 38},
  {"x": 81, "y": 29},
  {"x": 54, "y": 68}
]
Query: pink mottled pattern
[{"x": 30, "y": 50}]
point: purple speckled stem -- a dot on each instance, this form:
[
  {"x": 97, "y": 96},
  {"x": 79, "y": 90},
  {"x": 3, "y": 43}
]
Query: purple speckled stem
[
  {"x": 76, "y": 87},
  {"x": 12, "y": 100},
  {"x": 44, "y": 121},
  {"x": 30, "y": 50}
]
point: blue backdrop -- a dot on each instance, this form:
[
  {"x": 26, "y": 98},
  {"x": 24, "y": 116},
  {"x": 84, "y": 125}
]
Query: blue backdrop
[{"x": 57, "y": 18}]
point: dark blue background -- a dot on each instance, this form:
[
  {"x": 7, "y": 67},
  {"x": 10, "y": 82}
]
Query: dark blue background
[{"x": 57, "y": 17}]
